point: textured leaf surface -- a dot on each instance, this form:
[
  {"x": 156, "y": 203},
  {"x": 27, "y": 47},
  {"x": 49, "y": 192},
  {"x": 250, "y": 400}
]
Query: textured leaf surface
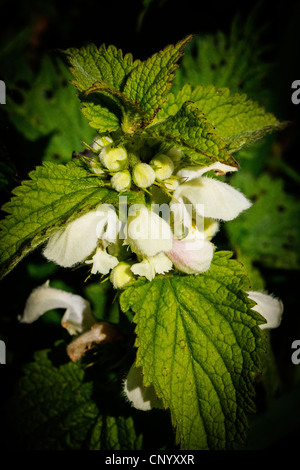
[
  {"x": 270, "y": 231},
  {"x": 199, "y": 343},
  {"x": 53, "y": 409},
  {"x": 189, "y": 130},
  {"x": 55, "y": 195},
  {"x": 149, "y": 82},
  {"x": 237, "y": 120}
]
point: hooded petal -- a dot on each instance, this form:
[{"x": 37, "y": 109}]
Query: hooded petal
[
  {"x": 78, "y": 240},
  {"x": 147, "y": 233},
  {"x": 212, "y": 198},
  {"x": 77, "y": 318},
  {"x": 141, "y": 397},
  {"x": 192, "y": 172},
  {"x": 269, "y": 307},
  {"x": 192, "y": 256}
]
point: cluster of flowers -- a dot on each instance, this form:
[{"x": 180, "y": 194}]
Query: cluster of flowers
[
  {"x": 142, "y": 243},
  {"x": 180, "y": 238}
]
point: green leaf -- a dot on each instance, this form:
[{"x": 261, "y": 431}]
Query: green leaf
[
  {"x": 55, "y": 195},
  {"x": 236, "y": 119},
  {"x": 53, "y": 409},
  {"x": 49, "y": 108},
  {"x": 270, "y": 230},
  {"x": 138, "y": 88},
  {"x": 189, "y": 130},
  {"x": 150, "y": 80},
  {"x": 199, "y": 343}
]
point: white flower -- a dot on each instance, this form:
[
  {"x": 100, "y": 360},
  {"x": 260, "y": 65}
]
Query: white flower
[
  {"x": 149, "y": 267},
  {"x": 77, "y": 317},
  {"x": 73, "y": 244},
  {"x": 193, "y": 254},
  {"x": 212, "y": 198},
  {"x": 141, "y": 397},
  {"x": 269, "y": 307},
  {"x": 102, "y": 262},
  {"x": 147, "y": 233}
]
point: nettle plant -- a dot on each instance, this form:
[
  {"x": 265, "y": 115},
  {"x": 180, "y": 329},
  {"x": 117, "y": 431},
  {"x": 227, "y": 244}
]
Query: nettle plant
[{"x": 140, "y": 208}]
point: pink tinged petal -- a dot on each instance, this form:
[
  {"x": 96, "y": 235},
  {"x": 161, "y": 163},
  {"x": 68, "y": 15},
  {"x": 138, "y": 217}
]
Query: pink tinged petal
[
  {"x": 77, "y": 318},
  {"x": 213, "y": 198},
  {"x": 269, "y": 307},
  {"x": 192, "y": 172},
  {"x": 192, "y": 256},
  {"x": 141, "y": 397}
]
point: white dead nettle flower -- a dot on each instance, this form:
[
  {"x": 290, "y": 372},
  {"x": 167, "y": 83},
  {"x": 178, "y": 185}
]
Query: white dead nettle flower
[
  {"x": 121, "y": 275},
  {"x": 175, "y": 154},
  {"x": 218, "y": 200},
  {"x": 77, "y": 317},
  {"x": 149, "y": 267},
  {"x": 147, "y": 234},
  {"x": 163, "y": 166},
  {"x": 171, "y": 184},
  {"x": 269, "y": 307},
  {"x": 113, "y": 158},
  {"x": 193, "y": 254},
  {"x": 80, "y": 238},
  {"x": 143, "y": 175},
  {"x": 141, "y": 397},
  {"x": 121, "y": 181}
]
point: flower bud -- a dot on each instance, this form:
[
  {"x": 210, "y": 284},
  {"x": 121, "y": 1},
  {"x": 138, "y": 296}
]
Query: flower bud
[
  {"x": 163, "y": 166},
  {"x": 171, "y": 184},
  {"x": 113, "y": 158},
  {"x": 101, "y": 142},
  {"x": 121, "y": 275},
  {"x": 143, "y": 175},
  {"x": 97, "y": 167},
  {"x": 175, "y": 154},
  {"x": 121, "y": 181}
]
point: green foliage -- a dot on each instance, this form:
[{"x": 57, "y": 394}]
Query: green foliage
[
  {"x": 198, "y": 343},
  {"x": 269, "y": 231},
  {"x": 47, "y": 107},
  {"x": 53, "y": 409},
  {"x": 236, "y": 119},
  {"x": 54, "y": 195},
  {"x": 136, "y": 88}
]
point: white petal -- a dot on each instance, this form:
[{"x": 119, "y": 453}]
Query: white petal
[
  {"x": 182, "y": 218},
  {"x": 212, "y": 198},
  {"x": 269, "y": 307},
  {"x": 78, "y": 240},
  {"x": 142, "y": 398},
  {"x": 192, "y": 172},
  {"x": 158, "y": 264},
  {"x": 102, "y": 262},
  {"x": 144, "y": 268},
  {"x": 147, "y": 233},
  {"x": 77, "y": 318},
  {"x": 192, "y": 256}
]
